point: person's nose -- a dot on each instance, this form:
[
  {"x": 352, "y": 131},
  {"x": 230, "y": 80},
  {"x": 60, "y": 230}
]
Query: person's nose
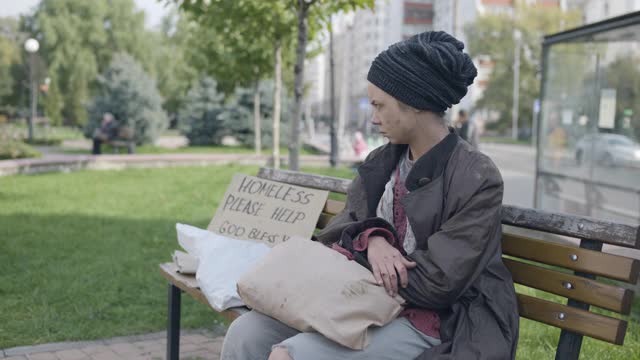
[{"x": 375, "y": 120}]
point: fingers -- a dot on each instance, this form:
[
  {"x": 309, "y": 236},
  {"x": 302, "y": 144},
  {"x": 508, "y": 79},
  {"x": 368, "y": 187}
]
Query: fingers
[
  {"x": 408, "y": 263},
  {"x": 376, "y": 273},
  {"x": 382, "y": 273},
  {"x": 389, "y": 267},
  {"x": 389, "y": 278},
  {"x": 402, "y": 273}
]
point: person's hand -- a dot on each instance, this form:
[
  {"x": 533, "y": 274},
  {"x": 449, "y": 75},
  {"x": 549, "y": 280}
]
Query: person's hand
[{"x": 388, "y": 264}]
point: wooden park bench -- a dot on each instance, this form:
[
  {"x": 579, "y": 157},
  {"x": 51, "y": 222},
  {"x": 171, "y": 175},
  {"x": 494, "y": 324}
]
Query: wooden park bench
[
  {"x": 125, "y": 139},
  {"x": 567, "y": 271}
]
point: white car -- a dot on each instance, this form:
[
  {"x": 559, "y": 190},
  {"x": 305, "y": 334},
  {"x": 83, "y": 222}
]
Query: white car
[{"x": 608, "y": 150}]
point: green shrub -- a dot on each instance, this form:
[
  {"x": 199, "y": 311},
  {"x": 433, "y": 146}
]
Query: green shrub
[
  {"x": 200, "y": 120},
  {"x": 131, "y": 95},
  {"x": 239, "y": 118},
  {"x": 13, "y": 149},
  {"x": 44, "y": 141}
]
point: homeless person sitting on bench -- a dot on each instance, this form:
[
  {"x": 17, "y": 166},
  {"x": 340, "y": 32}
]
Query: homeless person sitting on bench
[{"x": 425, "y": 212}]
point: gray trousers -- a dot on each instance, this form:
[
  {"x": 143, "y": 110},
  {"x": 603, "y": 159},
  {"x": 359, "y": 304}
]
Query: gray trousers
[{"x": 253, "y": 335}]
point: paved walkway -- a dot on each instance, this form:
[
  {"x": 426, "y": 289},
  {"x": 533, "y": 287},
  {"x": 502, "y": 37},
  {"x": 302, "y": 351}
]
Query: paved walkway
[
  {"x": 59, "y": 162},
  {"x": 194, "y": 344},
  {"x": 53, "y": 160}
]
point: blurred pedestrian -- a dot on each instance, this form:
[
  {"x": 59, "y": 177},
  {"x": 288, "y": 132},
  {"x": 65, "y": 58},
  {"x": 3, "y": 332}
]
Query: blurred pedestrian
[
  {"x": 360, "y": 147},
  {"x": 467, "y": 129}
]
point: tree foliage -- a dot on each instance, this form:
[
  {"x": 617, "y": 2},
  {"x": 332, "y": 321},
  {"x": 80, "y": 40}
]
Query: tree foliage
[
  {"x": 245, "y": 34},
  {"x": 246, "y": 41},
  {"x": 207, "y": 117},
  {"x": 131, "y": 95},
  {"x": 10, "y": 65},
  {"x": 78, "y": 39},
  {"x": 171, "y": 56},
  {"x": 243, "y": 127},
  {"x": 493, "y": 35},
  {"x": 234, "y": 40},
  {"x": 199, "y": 119}
]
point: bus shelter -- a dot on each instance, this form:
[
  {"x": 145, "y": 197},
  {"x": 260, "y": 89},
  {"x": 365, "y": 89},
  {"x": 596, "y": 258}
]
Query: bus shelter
[{"x": 588, "y": 150}]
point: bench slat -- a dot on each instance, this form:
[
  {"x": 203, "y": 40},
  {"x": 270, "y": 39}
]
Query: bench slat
[
  {"x": 333, "y": 207},
  {"x": 576, "y": 320},
  {"x": 588, "y": 261},
  {"x": 581, "y": 227},
  {"x": 186, "y": 284},
  {"x": 334, "y": 184},
  {"x": 582, "y": 289}
]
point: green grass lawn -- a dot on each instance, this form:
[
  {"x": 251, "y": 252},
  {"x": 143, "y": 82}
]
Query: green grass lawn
[
  {"x": 79, "y": 255},
  {"x": 79, "y": 251}
]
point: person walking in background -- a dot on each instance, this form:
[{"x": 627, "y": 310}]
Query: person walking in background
[
  {"x": 108, "y": 130},
  {"x": 360, "y": 147},
  {"x": 467, "y": 129}
]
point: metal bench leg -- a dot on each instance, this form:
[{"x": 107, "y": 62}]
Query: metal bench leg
[
  {"x": 173, "y": 324},
  {"x": 570, "y": 343}
]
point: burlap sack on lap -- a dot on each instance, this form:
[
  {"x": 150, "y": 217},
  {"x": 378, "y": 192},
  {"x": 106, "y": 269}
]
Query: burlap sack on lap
[{"x": 310, "y": 287}]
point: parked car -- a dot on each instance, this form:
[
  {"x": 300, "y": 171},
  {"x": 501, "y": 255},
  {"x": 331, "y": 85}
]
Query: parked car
[{"x": 608, "y": 150}]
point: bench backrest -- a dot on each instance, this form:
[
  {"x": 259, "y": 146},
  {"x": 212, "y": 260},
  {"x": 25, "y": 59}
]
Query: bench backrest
[
  {"x": 125, "y": 132},
  {"x": 556, "y": 268}
]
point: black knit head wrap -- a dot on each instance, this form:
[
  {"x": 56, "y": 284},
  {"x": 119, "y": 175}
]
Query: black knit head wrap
[{"x": 428, "y": 71}]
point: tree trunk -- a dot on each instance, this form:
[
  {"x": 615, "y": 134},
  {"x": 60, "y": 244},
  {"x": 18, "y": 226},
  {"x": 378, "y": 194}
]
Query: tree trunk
[
  {"x": 294, "y": 144},
  {"x": 276, "y": 104},
  {"x": 257, "y": 124},
  {"x": 310, "y": 123}
]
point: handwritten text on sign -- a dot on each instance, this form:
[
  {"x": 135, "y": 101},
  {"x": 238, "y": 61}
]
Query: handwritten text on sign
[{"x": 268, "y": 211}]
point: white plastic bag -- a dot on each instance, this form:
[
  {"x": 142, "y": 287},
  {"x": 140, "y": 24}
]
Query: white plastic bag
[
  {"x": 222, "y": 261},
  {"x": 186, "y": 263}
]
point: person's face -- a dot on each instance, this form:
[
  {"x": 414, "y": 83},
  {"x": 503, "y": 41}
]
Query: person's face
[{"x": 394, "y": 123}]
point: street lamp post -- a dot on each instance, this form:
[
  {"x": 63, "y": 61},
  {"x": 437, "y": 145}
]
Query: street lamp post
[
  {"x": 517, "y": 36},
  {"x": 333, "y": 154},
  {"x": 32, "y": 47}
]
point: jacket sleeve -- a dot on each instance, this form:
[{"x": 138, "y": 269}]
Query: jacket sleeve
[
  {"x": 346, "y": 219},
  {"x": 466, "y": 242},
  {"x": 347, "y": 224}
]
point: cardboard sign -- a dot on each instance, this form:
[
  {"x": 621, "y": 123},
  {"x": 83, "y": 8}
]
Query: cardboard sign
[{"x": 268, "y": 211}]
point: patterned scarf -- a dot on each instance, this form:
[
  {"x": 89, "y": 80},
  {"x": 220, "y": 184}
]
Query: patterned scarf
[{"x": 389, "y": 207}]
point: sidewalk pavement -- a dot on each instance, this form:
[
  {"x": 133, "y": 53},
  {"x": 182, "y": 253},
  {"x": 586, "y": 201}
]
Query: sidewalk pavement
[{"x": 194, "y": 344}]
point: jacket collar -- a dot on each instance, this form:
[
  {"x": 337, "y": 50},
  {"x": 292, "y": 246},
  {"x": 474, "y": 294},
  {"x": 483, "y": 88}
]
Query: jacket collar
[{"x": 376, "y": 171}]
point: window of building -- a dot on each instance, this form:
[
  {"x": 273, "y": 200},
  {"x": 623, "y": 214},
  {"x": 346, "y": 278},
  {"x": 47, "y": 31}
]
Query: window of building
[{"x": 418, "y": 13}]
